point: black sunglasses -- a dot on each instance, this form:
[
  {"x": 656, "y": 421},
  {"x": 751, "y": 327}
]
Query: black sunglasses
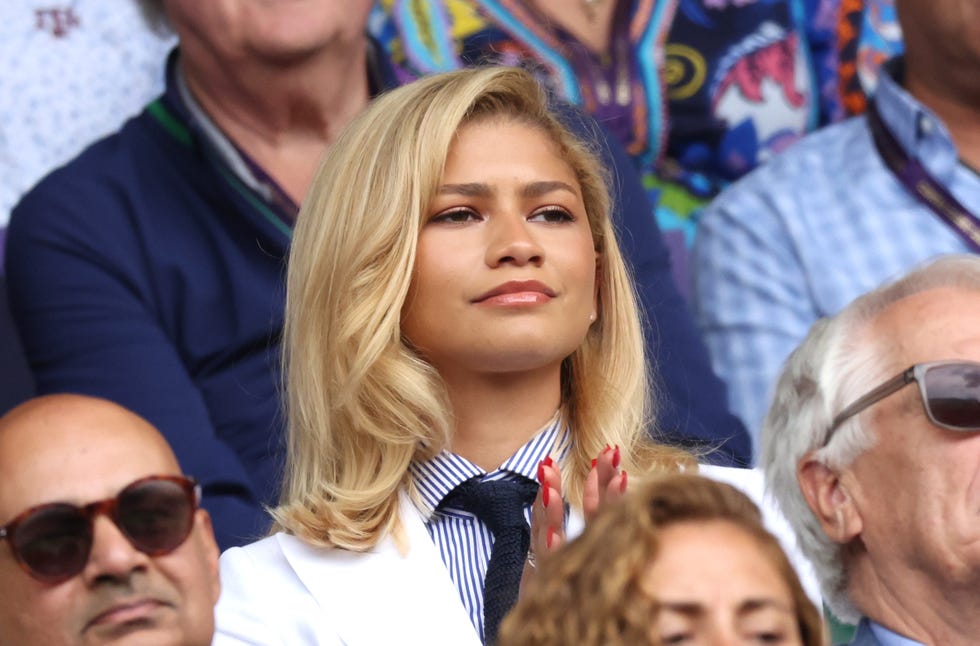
[
  {"x": 950, "y": 394},
  {"x": 52, "y": 542}
]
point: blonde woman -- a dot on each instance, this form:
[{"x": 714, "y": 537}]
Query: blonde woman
[
  {"x": 460, "y": 326},
  {"x": 684, "y": 560}
]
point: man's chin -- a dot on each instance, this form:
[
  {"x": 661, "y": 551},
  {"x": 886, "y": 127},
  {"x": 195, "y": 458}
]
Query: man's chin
[{"x": 156, "y": 628}]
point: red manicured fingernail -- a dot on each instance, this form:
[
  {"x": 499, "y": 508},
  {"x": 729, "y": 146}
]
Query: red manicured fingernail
[
  {"x": 548, "y": 461},
  {"x": 545, "y": 495},
  {"x": 622, "y": 485},
  {"x": 551, "y": 536},
  {"x": 594, "y": 462},
  {"x": 616, "y": 457},
  {"x": 541, "y": 472}
]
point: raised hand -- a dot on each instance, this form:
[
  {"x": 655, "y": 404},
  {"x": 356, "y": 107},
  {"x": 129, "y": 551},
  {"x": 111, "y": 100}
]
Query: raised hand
[{"x": 604, "y": 485}]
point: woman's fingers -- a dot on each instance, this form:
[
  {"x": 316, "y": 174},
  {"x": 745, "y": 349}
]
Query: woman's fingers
[
  {"x": 616, "y": 488},
  {"x": 548, "y": 515},
  {"x": 605, "y": 482}
]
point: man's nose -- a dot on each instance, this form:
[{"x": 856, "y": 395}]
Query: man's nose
[{"x": 112, "y": 556}]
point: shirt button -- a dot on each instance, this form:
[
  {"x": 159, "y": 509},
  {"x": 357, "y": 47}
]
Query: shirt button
[{"x": 925, "y": 126}]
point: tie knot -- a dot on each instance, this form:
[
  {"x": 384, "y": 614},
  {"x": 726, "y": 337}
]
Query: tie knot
[{"x": 498, "y": 503}]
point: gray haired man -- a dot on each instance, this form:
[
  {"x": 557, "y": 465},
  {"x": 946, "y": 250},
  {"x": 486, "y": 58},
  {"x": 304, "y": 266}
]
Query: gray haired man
[{"x": 872, "y": 447}]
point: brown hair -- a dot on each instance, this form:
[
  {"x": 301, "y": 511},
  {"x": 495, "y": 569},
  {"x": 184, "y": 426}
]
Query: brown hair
[{"x": 591, "y": 592}]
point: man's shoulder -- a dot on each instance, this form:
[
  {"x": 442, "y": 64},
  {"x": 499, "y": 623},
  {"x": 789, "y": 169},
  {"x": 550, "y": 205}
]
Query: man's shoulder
[
  {"x": 802, "y": 188},
  {"x": 140, "y": 165},
  {"x": 140, "y": 142},
  {"x": 823, "y": 163}
]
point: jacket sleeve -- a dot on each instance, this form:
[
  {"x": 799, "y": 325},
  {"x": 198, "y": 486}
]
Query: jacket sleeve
[
  {"x": 80, "y": 294},
  {"x": 692, "y": 402}
]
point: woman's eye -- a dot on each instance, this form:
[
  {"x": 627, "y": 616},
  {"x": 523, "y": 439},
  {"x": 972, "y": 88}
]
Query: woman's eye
[
  {"x": 769, "y": 637},
  {"x": 676, "y": 638},
  {"x": 551, "y": 214},
  {"x": 456, "y": 216}
]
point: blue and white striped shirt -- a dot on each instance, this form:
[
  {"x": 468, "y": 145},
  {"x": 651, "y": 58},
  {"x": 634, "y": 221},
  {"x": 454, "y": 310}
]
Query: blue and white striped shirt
[
  {"x": 463, "y": 541},
  {"x": 817, "y": 226}
]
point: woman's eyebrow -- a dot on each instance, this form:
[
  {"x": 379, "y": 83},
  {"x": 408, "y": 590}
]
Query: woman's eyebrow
[
  {"x": 537, "y": 189},
  {"x": 469, "y": 189},
  {"x": 529, "y": 190},
  {"x": 693, "y": 608},
  {"x": 687, "y": 608},
  {"x": 751, "y": 605}
]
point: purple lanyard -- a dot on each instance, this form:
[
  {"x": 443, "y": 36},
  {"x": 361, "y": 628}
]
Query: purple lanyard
[{"x": 923, "y": 186}]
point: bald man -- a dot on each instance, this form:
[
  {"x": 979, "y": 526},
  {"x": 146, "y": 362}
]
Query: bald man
[{"x": 101, "y": 537}]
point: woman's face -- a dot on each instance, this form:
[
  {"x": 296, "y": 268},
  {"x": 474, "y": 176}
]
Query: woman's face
[
  {"x": 505, "y": 276},
  {"x": 715, "y": 585}
]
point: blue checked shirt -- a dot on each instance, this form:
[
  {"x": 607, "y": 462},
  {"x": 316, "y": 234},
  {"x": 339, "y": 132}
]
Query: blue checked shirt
[
  {"x": 817, "y": 226},
  {"x": 870, "y": 633},
  {"x": 463, "y": 541}
]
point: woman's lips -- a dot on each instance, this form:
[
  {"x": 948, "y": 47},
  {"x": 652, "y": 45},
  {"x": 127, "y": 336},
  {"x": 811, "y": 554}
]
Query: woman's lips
[{"x": 517, "y": 292}]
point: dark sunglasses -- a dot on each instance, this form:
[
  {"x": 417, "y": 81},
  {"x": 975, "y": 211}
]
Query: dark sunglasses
[
  {"x": 950, "y": 394},
  {"x": 52, "y": 542}
]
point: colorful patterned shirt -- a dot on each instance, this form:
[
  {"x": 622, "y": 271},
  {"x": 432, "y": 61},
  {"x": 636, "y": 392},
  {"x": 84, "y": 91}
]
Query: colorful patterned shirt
[{"x": 738, "y": 84}]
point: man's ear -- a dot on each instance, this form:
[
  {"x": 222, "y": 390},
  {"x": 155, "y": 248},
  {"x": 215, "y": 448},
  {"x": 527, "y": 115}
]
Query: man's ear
[
  {"x": 212, "y": 551},
  {"x": 829, "y": 500}
]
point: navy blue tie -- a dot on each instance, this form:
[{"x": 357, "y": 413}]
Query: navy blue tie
[{"x": 500, "y": 505}]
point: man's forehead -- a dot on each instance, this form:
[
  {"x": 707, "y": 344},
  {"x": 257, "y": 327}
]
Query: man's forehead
[
  {"x": 932, "y": 325},
  {"x": 75, "y": 450}
]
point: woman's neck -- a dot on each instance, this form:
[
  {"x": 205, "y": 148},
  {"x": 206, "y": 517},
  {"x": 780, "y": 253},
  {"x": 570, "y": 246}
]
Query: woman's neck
[{"x": 497, "y": 414}]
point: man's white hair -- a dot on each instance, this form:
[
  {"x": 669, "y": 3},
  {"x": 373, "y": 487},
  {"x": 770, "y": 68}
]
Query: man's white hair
[
  {"x": 155, "y": 15},
  {"x": 839, "y": 361}
]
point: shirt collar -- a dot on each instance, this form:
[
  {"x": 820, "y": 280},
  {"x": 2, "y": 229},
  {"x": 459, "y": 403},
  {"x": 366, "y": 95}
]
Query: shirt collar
[
  {"x": 889, "y": 638},
  {"x": 435, "y": 478},
  {"x": 920, "y": 133},
  {"x": 234, "y": 158},
  {"x": 381, "y": 76}
]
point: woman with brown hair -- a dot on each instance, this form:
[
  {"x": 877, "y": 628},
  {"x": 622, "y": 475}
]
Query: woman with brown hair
[{"x": 681, "y": 560}]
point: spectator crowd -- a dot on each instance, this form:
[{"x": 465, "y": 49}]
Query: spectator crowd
[{"x": 516, "y": 322}]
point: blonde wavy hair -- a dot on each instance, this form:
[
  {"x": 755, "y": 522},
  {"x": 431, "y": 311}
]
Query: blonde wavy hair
[
  {"x": 361, "y": 403},
  {"x": 591, "y": 591}
]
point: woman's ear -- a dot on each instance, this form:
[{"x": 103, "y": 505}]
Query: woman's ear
[{"x": 829, "y": 500}]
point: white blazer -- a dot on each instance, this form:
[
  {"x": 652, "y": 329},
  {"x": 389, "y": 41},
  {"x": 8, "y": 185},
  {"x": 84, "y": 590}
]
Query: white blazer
[{"x": 281, "y": 591}]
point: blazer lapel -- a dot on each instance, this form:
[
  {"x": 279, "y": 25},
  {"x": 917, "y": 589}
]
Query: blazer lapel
[{"x": 382, "y": 597}]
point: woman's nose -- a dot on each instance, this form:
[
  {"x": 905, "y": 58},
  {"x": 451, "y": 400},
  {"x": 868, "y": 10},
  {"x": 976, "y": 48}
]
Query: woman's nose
[{"x": 512, "y": 240}]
